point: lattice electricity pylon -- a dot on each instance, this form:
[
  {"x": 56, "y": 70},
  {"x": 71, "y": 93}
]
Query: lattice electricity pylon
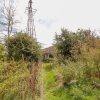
[{"x": 30, "y": 22}]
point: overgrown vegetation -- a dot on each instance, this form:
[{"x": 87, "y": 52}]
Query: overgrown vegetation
[
  {"x": 2, "y": 52},
  {"x": 73, "y": 74},
  {"x": 73, "y": 45},
  {"x": 19, "y": 73},
  {"x": 22, "y": 46},
  {"x": 70, "y": 72},
  {"x": 14, "y": 80},
  {"x": 79, "y": 80}
]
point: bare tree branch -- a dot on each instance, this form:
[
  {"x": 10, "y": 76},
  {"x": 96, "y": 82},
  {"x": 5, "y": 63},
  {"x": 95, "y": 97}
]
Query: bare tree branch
[{"x": 8, "y": 13}]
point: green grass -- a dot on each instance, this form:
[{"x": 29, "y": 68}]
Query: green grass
[{"x": 80, "y": 91}]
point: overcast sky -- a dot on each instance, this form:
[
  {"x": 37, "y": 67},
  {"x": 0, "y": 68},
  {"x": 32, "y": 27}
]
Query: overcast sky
[{"x": 52, "y": 15}]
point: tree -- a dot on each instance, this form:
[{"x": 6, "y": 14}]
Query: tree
[
  {"x": 22, "y": 46},
  {"x": 64, "y": 44},
  {"x": 72, "y": 44},
  {"x": 8, "y": 16}
]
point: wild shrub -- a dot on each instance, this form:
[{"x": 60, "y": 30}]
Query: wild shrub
[
  {"x": 71, "y": 45},
  {"x": 2, "y": 52},
  {"x": 64, "y": 45},
  {"x": 69, "y": 74},
  {"x": 14, "y": 80},
  {"x": 22, "y": 46}
]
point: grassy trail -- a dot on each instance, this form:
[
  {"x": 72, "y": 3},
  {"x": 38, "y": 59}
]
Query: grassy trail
[
  {"x": 42, "y": 84},
  {"x": 51, "y": 90}
]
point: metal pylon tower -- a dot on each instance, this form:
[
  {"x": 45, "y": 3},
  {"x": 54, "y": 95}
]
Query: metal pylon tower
[{"x": 30, "y": 22}]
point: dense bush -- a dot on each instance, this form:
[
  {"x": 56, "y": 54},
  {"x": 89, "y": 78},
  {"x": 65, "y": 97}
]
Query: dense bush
[
  {"x": 86, "y": 69},
  {"x": 64, "y": 45},
  {"x": 2, "y": 52},
  {"x": 22, "y": 46},
  {"x": 72, "y": 45}
]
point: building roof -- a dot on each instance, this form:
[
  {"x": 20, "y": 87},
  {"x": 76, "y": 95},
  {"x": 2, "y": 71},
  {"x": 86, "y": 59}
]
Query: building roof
[{"x": 48, "y": 50}]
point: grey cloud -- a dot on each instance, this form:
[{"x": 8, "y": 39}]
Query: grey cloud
[{"x": 47, "y": 23}]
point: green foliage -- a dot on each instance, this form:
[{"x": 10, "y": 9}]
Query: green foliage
[
  {"x": 48, "y": 66},
  {"x": 64, "y": 44},
  {"x": 14, "y": 77},
  {"x": 71, "y": 45},
  {"x": 48, "y": 60},
  {"x": 2, "y": 52},
  {"x": 77, "y": 77},
  {"x": 72, "y": 71},
  {"x": 22, "y": 46},
  {"x": 80, "y": 91}
]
